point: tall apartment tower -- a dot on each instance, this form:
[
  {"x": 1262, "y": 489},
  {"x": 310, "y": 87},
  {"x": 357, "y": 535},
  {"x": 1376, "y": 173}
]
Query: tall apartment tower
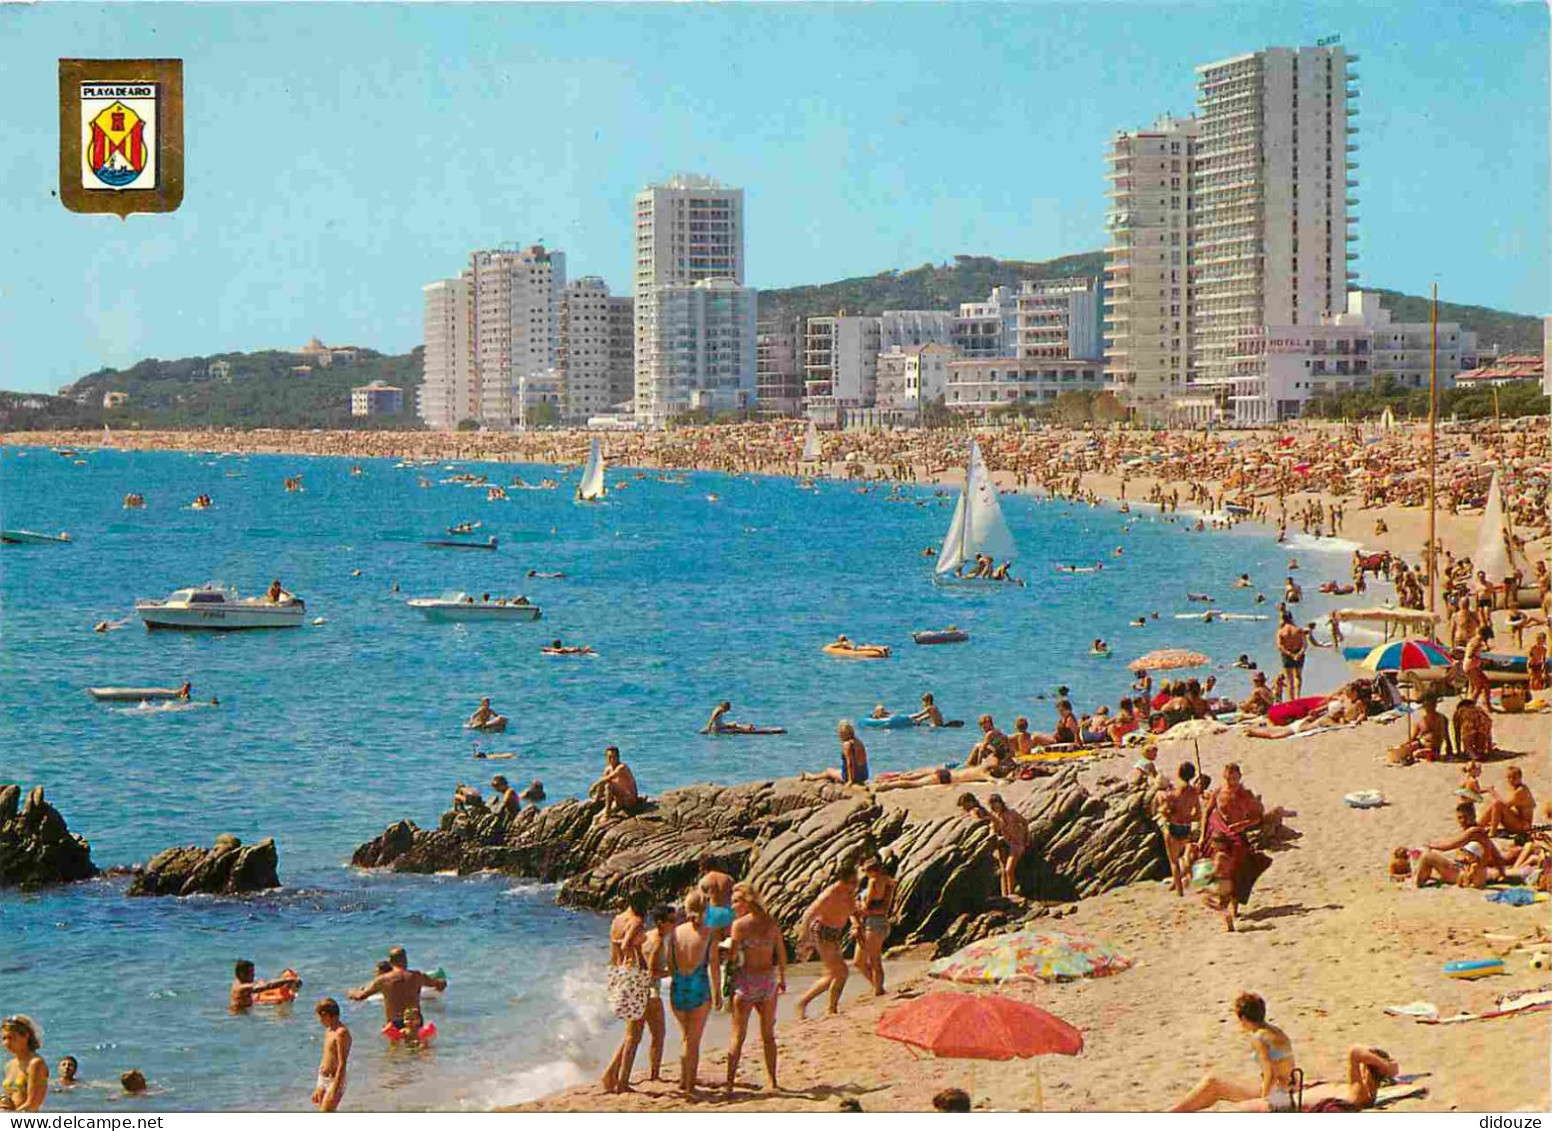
[
  {"x": 1147, "y": 277},
  {"x": 583, "y": 358},
  {"x": 515, "y": 300},
  {"x": 450, "y": 392},
  {"x": 689, "y": 231},
  {"x": 1271, "y": 229},
  {"x": 622, "y": 352}
]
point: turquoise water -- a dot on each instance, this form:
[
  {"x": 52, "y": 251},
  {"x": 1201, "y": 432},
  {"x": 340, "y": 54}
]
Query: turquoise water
[{"x": 326, "y": 734}]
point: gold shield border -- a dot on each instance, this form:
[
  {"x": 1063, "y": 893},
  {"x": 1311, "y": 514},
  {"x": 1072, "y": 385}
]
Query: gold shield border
[{"x": 168, "y": 193}]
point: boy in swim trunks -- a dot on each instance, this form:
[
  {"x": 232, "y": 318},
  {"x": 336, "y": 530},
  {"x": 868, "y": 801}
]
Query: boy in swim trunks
[
  {"x": 1179, "y": 808},
  {"x": 330, "y": 1089}
]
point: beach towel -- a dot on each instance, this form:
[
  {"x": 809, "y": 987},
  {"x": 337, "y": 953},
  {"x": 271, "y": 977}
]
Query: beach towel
[
  {"x": 1514, "y": 897},
  {"x": 1394, "y": 1093},
  {"x": 1281, "y": 714},
  {"x": 1245, "y": 864}
]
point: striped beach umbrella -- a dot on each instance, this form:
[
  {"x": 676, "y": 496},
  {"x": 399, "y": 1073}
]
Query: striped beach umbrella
[{"x": 1409, "y": 654}]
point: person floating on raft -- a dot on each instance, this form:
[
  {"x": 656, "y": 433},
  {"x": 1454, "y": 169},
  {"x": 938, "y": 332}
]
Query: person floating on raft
[{"x": 718, "y": 723}]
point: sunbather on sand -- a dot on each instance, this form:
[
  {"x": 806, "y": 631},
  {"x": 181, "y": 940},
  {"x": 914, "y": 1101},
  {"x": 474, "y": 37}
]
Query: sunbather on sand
[
  {"x": 1517, "y": 813},
  {"x": 939, "y": 775},
  {"x": 1368, "y": 1070},
  {"x": 1464, "y": 858}
]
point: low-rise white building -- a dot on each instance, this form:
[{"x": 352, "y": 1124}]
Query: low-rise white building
[
  {"x": 979, "y": 385},
  {"x": 990, "y": 328},
  {"x": 1274, "y": 371},
  {"x": 909, "y": 378},
  {"x": 377, "y": 398},
  {"x": 1059, "y": 318}
]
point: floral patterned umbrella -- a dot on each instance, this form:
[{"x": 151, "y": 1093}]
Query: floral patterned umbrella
[{"x": 1031, "y": 955}]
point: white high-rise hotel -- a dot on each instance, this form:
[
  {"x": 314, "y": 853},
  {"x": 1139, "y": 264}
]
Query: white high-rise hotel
[
  {"x": 1253, "y": 231},
  {"x": 695, "y": 319}
]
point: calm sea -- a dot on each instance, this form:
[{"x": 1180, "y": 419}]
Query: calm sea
[{"x": 328, "y": 733}]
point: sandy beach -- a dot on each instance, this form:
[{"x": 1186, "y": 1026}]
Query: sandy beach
[{"x": 1328, "y": 940}]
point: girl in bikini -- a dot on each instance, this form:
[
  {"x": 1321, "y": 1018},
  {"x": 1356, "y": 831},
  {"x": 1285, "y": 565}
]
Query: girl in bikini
[
  {"x": 25, "y": 1085},
  {"x": 761, "y": 976},
  {"x": 693, "y": 965},
  {"x": 1272, "y": 1053},
  {"x": 874, "y": 908}
]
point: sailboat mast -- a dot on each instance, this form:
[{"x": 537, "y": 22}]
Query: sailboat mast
[{"x": 1433, "y": 443}]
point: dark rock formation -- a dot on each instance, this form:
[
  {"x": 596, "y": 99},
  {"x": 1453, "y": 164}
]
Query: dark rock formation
[
  {"x": 788, "y": 837},
  {"x": 227, "y": 869},
  {"x": 35, "y": 846}
]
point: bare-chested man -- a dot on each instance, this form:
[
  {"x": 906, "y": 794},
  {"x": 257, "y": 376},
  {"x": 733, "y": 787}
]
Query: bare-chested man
[
  {"x": 822, "y": 927},
  {"x": 329, "y": 1089},
  {"x": 400, "y": 987},
  {"x": 929, "y": 715},
  {"x": 717, "y": 887},
  {"x": 1292, "y": 643},
  {"x": 616, "y": 787},
  {"x": 244, "y": 986},
  {"x": 1229, "y": 814},
  {"x": 1179, "y": 808},
  {"x": 1514, "y": 814}
]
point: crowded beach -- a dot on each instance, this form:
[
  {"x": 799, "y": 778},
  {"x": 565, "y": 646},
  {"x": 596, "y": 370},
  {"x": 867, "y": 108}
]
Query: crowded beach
[{"x": 1353, "y": 878}]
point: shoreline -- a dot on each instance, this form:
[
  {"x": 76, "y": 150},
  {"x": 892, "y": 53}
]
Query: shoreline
[{"x": 1405, "y": 535}]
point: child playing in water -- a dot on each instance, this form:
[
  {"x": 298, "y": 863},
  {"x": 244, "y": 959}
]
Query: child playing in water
[{"x": 330, "y": 1089}]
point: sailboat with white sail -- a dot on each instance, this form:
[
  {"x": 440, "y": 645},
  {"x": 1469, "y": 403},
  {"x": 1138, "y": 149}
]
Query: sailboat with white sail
[
  {"x": 811, "y": 444},
  {"x": 976, "y": 528},
  {"x": 591, "y": 489},
  {"x": 1496, "y": 554}
]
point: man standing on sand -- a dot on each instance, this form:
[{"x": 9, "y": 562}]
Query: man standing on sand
[
  {"x": 330, "y": 1087},
  {"x": 400, "y": 988},
  {"x": 1230, "y": 813},
  {"x": 1292, "y": 643}
]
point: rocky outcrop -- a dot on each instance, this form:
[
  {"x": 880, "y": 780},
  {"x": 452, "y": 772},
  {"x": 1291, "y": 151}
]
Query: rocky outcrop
[
  {"x": 36, "y": 848},
  {"x": 229, "y": 868},
  {"x": 788, "y": 837}
]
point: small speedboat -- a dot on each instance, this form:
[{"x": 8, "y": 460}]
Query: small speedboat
[
  {"x": 461, "y": 606},
  {"x": 461, "y": 543},
  {"x": 133, "y": 694},
  {"x": 217, "y": 609},
  {"x": 30, "y": 537},
  {"x": 946, "y": 636}
]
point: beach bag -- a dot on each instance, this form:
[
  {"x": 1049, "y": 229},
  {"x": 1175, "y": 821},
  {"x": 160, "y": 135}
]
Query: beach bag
[{"x": 628, "y": 990}]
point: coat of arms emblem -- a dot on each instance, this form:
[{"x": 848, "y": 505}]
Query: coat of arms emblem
[{"x": 121, "y": 135}]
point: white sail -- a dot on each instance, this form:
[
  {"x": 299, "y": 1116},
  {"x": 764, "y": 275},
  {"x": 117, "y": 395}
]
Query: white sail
[
  {"x": 977, "y": 526},
  {"x": 811, "y": 444},
  {"x": 592, "y": 485},
  {"x": 1496, "y": 554},
  {"x": 1387, "y": 420}
]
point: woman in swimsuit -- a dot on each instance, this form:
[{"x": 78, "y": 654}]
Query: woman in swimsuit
[
  {"x": 854, "y": 760},
  {"x": 25, "y": 1085},
  {"x": 1273, "y": 1055},
  {"x": 822, "y": 927},
  {"x": 875, "y": 906},
  {"x": 693, "y": 964},
  {"x": 761, "y": 976}
]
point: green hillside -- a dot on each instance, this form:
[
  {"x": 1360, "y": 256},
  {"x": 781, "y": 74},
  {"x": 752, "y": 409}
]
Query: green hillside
[
  {"x": 970, "y": 278},
  {"x": 1512, "y": 333},
  {"x": 263, "y": 390}
]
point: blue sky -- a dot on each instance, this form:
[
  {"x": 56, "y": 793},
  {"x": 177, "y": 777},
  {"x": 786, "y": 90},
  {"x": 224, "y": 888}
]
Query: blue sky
[{"x": 341, "y": 155}]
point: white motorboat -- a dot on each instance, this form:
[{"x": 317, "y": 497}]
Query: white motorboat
[
  {"x": 30, "y": 537},
  {"x": 217, "y": 609},
  {"x": 460, "y": 606}
]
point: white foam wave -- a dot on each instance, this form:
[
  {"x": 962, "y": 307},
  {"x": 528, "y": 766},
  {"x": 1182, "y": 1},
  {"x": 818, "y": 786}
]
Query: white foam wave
[
  {"x": 581, "y": 1028},
  {"x": 1328, "y": 545}
]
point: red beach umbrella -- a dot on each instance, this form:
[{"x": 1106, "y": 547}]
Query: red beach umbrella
[{"x": 980, "y": 1027}]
